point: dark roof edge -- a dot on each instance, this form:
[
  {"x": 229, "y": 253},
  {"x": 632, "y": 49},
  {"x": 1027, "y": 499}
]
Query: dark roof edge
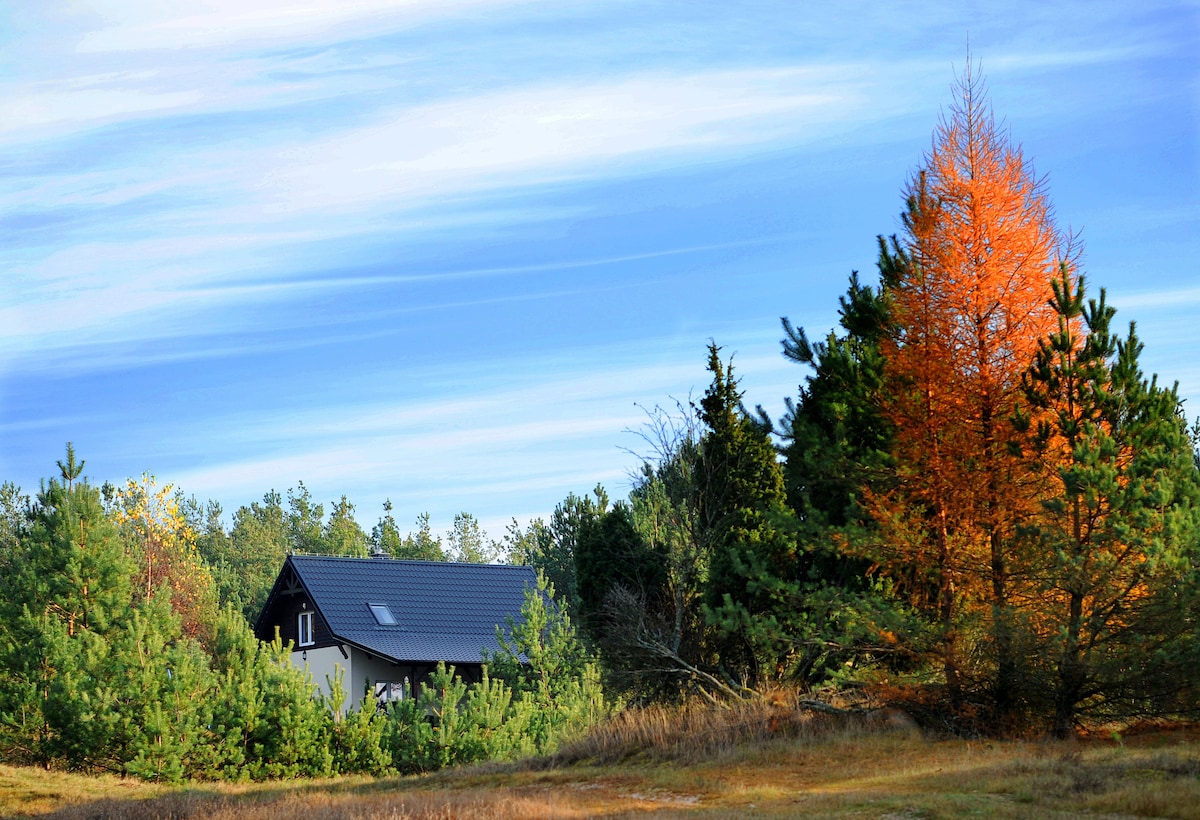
[{"x": 318, "y": 557}]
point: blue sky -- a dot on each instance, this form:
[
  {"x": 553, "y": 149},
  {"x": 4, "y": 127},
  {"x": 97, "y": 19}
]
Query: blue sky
[{"x": 445, "y": 253}]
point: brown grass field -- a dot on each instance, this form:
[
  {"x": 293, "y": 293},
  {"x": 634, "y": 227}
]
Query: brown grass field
[{"x": 764, "y": 762}]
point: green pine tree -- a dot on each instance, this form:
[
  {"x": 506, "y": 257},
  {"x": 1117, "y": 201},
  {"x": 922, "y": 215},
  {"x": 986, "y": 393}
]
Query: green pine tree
[{"x": 1117, "y": 542}]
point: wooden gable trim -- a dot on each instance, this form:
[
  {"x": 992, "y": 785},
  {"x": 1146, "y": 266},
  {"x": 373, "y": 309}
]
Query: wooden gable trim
[{"x": 290, "y": 584}]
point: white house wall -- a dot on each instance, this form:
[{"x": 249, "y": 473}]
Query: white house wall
[
  {"x": 321, "y": 664},
  {"x": 357, "y": 670}
]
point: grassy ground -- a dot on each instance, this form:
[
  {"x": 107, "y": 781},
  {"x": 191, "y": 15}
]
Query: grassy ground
[{"x": 812, "y": 770}]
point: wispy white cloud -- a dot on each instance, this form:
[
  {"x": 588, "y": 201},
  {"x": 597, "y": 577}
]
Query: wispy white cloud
[
  {"x": 230, "y": 179},
  {"x": 558, "y": 133},
  {"x": 1167, "y": 300},
  {"x": 454, "y": 451},
  {"x": 236, "y": 209},
  {"x": 130, "y": 25},
  {"x": 36, "y": 108}
]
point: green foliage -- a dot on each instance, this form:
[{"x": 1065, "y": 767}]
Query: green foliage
[
  {"x": 246, "y": 561},
  {"x": 266, "y": 719},
  {"x": 341, "y": 534},
  {"x": 98, "y": 678},
  {"x": 385, "y": 536},
  {"x": 418, "y": 546},
  {"x": 303, "y": 519},
  {"x": 836, "y": 451},
  {"x": 357, "y": 735},
  {"x": 836, "y": 437},
  {"x": 92, "y": 678},
  {"x": 14, "y": 514},
  {"x": 409, "y": 735},
  {"x": 742, "y": 511},
  {"x": 610, "y": 553},
  {"x": 550, "y": 671},
  {"x": 215, "y": 547},
  {"x": 155, "y": 682},
  {"x": 451, "y": 723},
  {"x": 536, "y": 546},
  {"x": 422, "y": 545},
  {"x": 74, "y": 566},
  {"x": 545, "y": 689},
  {"x": 1117, "y": 543},
  {"x": 552, "y": 549},
  {"x": 468, "y": 543},
  {"x": 258, "y": 545}
]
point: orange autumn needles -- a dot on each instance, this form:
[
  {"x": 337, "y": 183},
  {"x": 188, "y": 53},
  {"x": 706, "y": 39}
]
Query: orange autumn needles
[{"x": 971, "y": 303}]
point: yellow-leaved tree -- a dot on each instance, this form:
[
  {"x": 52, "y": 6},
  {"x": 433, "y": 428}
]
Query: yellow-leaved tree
[{"x": 163, "y": 545}]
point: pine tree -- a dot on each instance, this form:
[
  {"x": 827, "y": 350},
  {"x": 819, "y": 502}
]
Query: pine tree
[
  {"x": 836, "y": 435},
  {"x": 422, "y": 545},
  {"x": 385, "y": 535},
  {"x": 468, "y": 543},
  {"x": 748, "y": 532},
  {"x": 342, "y": 535},
  {"x": 1117, "y": 539},
  {"x": 260, "y": 544},
  {"x": 544, "y": 661}
]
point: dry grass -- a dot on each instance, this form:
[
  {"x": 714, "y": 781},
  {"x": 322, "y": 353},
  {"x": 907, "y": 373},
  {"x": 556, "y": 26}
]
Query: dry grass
[
  {"x": 697, "y": 732},
  {"x": 34, "y": 791},
  {"x": 764, "y": 759}
]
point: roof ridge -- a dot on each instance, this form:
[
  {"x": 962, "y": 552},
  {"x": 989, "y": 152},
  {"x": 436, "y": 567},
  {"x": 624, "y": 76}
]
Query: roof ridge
[{"x": 384, "y": 560}]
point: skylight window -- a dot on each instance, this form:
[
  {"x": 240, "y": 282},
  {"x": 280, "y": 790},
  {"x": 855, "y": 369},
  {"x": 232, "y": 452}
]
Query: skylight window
[{"x": 383, "y": 615}]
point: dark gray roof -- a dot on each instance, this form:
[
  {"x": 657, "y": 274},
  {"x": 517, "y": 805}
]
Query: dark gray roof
[{"x": 444, "y": 612}]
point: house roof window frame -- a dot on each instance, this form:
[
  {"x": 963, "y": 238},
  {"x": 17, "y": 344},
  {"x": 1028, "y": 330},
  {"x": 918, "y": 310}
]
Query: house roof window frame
[{"x": 383, "y": 614}]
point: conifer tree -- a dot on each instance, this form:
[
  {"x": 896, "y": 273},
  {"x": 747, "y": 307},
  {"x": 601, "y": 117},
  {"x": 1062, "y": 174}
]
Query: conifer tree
[
  {"x": 1117, "y": 539},
  {"x": 969, "y": 308},
  {"x": 341, "y": 534},
  {"x": 260, "y": 543},
  {"x": 836, "y": 435},
  {"x": 748, "y": 534},
  {"x": 385, "y": 535},
  {"x": 421, "y": 545}
]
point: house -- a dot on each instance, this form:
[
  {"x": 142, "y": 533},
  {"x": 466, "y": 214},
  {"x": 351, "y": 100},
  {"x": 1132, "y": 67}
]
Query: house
[{"x": 390, "y": 622}]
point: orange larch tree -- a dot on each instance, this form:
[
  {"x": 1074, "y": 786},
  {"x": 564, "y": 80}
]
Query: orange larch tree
[{"x": 971, "y": 306}]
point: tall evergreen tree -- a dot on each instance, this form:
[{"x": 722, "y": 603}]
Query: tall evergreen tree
[
  {"x": 749, "y": 531},
  {"x": 341, "y": 534},
  {"x": 836, "y": 435},
  {"x": 1117, "y": 540},
  {"x": 536, "y": 547},
  {"x": 260, "y": 542},
  {"x": 422, "y": 545},
  {"x": 468, "y": 543}
]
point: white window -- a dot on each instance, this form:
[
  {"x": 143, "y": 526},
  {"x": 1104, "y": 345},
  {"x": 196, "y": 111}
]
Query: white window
[
  {"x": 389, "y": 692},
  {"x": 305, "y": 629},
  {"x": 383, "y": 615}
]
